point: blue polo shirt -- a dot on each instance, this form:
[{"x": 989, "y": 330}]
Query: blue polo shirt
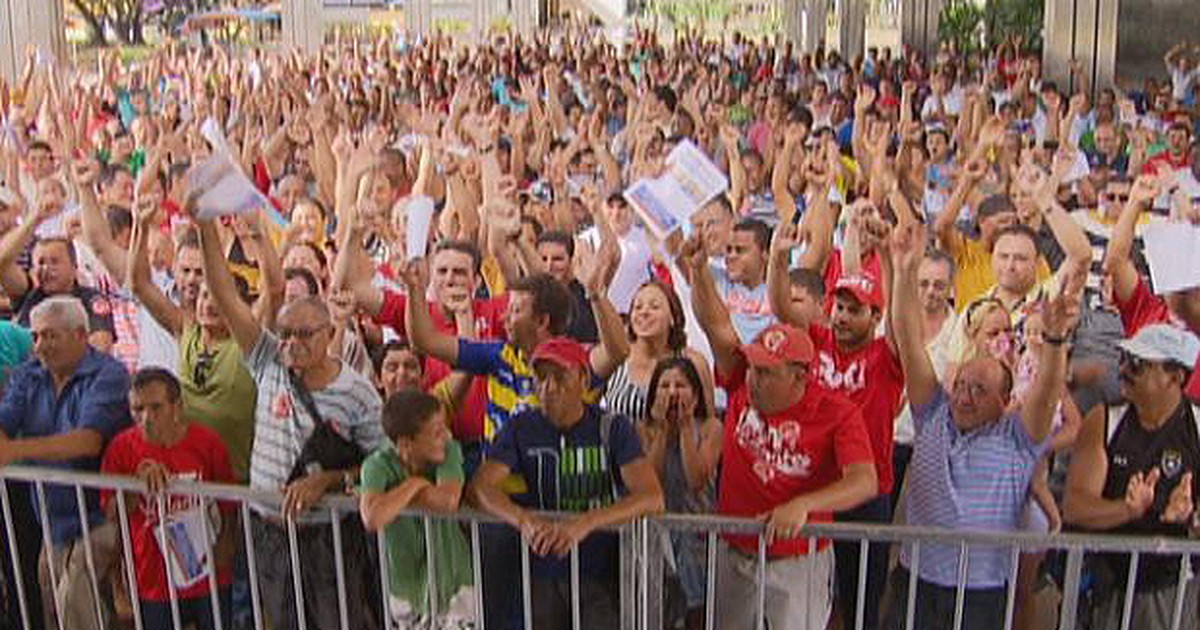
[
  {"x": 571, "y": 471},
  {"x": 96, "y": 397}
]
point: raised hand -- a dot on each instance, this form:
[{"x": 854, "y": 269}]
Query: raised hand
[
  {"x": 1179, "y": 505},
  {"x": 907, "y": 246}
]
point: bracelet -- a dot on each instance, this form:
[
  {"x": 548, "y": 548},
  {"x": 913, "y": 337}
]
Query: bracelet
[{"x": 1054, "y": 341}]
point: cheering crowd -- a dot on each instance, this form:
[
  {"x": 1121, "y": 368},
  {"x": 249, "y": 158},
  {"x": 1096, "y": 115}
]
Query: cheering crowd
[{"x": 922, "y": 297}]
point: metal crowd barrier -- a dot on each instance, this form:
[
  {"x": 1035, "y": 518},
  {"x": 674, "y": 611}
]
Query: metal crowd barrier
[{"x": 641, "y": 591}]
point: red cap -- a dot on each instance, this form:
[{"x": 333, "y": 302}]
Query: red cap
[
  {"x": 780, "y": 344},
  {"x": 864, "y": 288},
  {"x": 565, "y": 352}
]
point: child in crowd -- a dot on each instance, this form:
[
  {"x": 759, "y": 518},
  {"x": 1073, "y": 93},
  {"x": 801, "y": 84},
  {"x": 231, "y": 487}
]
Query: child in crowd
[{"x": 422, "y": 467}]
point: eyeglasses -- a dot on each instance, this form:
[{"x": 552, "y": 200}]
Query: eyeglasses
[
  {"x": 299, "y": 334},
  {"x": 1123, "y": 198}
]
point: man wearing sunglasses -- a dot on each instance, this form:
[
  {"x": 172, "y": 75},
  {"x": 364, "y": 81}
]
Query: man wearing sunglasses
[{"x": 1132, "y": 474}]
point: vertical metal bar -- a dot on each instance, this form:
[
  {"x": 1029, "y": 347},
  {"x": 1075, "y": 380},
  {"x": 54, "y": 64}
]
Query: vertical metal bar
[
  {"x": 960, "y": 594},
  {"x": 809, "y": 583},
  {"x": 430, "y": 571},
  {"x": 914, "y": 576},
  {"x": 161, "y": 507},
  {"x": 88, "y": 557},
  {"x": 385, "y": 578},
  {"x": 1070, "y": 601},
  {"x": 251, "y": 567},
  {"x": 861, "y": 599},
  {"x": 526, "y": 587},
  {"x": 1180, "y": 591},
  {"x": 1010, "y": 605},
  {"x": 297, "y": 583},
  {"x": 339, "y": 569},
  {"x": 761, "y": 572},
  {"x": 644, "y": 571},
  {"x": 1130, "y": 589},
  {"x": 710, "y": 588},
  {"x": 48, "y": 548},
  {"x": 130, "y": 571},
  {"x": 576, "y": 624},
  {"x": 213, "y": 587},
  {"x": 477, "y": 567},
  {"x": 18, "y": 575}
]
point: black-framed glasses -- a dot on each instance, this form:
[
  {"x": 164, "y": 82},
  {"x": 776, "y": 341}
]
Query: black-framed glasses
[{"x": 299, "y": 333}]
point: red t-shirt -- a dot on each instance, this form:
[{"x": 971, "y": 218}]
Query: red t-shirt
[
  {"x": 489, "y": 324},
  {"x": 771, "y": 460},
  {"x": 1144, "y": 308},
  {"x": 873, "y": 380},
  {"x": 200, "y": 456}
]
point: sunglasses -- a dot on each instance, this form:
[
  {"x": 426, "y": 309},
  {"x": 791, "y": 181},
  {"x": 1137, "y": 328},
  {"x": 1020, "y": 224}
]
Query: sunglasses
[
  {"x": 1136, "y": 364},
  {"x": 1123, "y": 198}
]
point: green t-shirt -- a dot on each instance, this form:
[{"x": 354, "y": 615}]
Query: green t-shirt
[
  {"x": 15, "y": 344},
  {"x": 219, "y": 393},
  {"x": 405, "y": 536}
]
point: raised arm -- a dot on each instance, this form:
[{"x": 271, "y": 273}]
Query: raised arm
[
  {"x": 352, "y": 270},
  {"x": 13, "y": 279},
  {"x": 730, "y": 137},
  {"x": 1118, "y": 260},
  {"x": 907, "y": 252},
  {"x": 614, "y": 340},
  {"x": 238, "y": 316},
  {"x": 425, "y": 337},
  {"x": 710, "y": 310},
  {"x": 779, "y": 285},
  {"x": 168, "y": 315},
  {"x": 96, "y": 231},
  {"x": 1041, "y": 403}
]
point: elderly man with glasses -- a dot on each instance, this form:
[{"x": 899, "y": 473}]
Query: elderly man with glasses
[
  {"x": 305, "y": 397},
  {"x": 1132, "y": 473}
]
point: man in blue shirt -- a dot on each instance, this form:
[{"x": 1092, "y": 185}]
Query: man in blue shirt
[
  {"x": 59, "y": 410},
  {"x": 573, "y": 459}
]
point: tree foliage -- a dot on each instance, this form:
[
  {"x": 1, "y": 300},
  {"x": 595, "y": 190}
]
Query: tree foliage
[
  {"x": 970, "y": 27},
  {"x": 125, "y": 20}
]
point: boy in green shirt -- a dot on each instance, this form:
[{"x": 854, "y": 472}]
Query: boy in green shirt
[{"x": 420, "y": 468}]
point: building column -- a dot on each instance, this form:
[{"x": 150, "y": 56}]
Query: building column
[
  {"x": 919, "y": 21},
  {"x": 24, "y": 23},
  {"x": 852, "y": 24},
  {"x": 816, "y": 12},
  {"x": 1085, "y": 30},
  {"x": 303, "y": 24}
]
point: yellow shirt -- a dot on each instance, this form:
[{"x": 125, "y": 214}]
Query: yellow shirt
[{"x": 975, "y": 276}]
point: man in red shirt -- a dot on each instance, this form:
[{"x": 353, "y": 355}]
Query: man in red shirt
[
  {"x": 856, "y": 362},
  {"x": 1178, "y": 155},
  {"x": 793, "y": 454},
  {"x": 1137, "y": 305},
  {"x": 454, "y": 280},
  {"x": 162, "y": 446}
]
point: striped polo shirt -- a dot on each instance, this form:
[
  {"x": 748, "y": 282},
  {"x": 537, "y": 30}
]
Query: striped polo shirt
[
  {"x": 282, "y": 425},
  {"x": 967, "y": 481}
]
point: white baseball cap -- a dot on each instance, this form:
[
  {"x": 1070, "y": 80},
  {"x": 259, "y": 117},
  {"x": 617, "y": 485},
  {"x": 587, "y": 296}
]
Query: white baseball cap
[{"x": 1164, "y": 342}]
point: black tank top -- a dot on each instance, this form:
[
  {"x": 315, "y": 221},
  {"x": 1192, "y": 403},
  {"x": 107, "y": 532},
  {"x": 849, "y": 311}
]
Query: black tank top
[{"x": 1175, "y": 449}]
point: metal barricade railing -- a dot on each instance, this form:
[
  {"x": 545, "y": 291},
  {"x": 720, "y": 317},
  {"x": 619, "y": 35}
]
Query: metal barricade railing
[{"x": 641, "y": 558}]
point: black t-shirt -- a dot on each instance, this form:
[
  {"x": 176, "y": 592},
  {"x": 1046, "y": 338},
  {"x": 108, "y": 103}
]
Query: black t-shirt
[
  {"x": 1174, "y": 448},
  {"x": 98, "y": 307}
]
